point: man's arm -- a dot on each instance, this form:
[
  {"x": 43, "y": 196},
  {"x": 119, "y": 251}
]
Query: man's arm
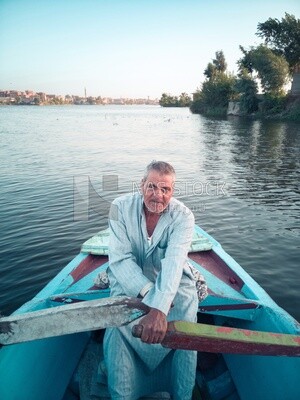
[
  {"x": 122, "y": 262},
  {"x": 129, "y": 275},
  {"x": 161, "y": 296}
]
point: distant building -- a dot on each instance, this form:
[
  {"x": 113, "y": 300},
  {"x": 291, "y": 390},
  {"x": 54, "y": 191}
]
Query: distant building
[
  {"x": 42, "y": 96},
  {"x": 29, "y": 93},
  {"x": 118, "y": 101}
]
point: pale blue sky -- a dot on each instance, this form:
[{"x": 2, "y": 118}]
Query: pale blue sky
[{"x": 124, "y": 48}]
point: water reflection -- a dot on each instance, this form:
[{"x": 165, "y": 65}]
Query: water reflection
[{"x": 265, "y": 162}]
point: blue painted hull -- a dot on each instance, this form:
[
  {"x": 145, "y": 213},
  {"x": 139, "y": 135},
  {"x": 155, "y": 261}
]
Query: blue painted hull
[{"x": 43, "y": 369}]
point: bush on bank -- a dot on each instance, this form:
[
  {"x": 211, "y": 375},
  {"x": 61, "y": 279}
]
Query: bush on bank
[
  {"x": 214, "y": 96},
  {"x": 266, "y": 106}
]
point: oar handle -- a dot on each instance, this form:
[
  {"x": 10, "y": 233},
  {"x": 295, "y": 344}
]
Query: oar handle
[
  {"x": 220, "y": 339},
  {"x": 137, "y": 330}
]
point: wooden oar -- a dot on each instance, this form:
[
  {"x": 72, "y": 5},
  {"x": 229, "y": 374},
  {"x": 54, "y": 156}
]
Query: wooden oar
[
  {"x": 110, "y": 312},
  {"x": 218, "y": 339},
  {"x": 66, "y": 319}
]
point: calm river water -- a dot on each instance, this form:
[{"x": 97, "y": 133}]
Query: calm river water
[{"x": 241, "y": 179}]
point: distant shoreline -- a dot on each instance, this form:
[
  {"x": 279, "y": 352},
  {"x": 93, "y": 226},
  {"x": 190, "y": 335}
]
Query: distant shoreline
[
  {"x": 73, "y": 104},
  {"x": 29, "y": 97}
]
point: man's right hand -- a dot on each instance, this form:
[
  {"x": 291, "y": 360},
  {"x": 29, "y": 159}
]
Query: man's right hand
[{"x": 154, "y": 326}]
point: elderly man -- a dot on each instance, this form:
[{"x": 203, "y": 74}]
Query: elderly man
[{"x": 150, "y": 236}]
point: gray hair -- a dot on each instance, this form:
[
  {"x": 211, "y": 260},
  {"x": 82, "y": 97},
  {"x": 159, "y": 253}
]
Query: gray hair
[{"x": 162, "y": 167}]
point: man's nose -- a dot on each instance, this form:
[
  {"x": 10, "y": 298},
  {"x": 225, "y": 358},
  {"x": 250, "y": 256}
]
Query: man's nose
[{"x": 158, "y": 191}]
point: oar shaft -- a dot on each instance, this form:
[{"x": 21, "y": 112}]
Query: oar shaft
[{"x": 216, "y": 339}]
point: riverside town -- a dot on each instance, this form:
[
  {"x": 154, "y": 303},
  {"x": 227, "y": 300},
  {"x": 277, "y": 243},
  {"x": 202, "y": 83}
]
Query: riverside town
[{"x": 29, "y": 97}]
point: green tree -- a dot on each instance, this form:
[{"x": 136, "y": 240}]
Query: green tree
[
  {"x": 214, "y": 95},
  {"x": 216, "y": 92},
  {"x": 167, "y": 100},
  {"x": 218, "y": 64},
  {"x": 283, "y": 37},
  {"x": 184, "y": 100},
  {"x": 210, "y": 71},
  {"x": 247, "y": 87},
  {"x": 272, "y": 69}
]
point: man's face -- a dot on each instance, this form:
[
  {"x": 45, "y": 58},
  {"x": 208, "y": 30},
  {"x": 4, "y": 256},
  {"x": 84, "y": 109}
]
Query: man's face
[{"x": 157, "y": 190}]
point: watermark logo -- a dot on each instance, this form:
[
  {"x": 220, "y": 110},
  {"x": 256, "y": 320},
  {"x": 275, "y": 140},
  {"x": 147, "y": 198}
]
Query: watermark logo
[
  {"x": 87, "y": 200},
  {"x": 193, "y": 188}
]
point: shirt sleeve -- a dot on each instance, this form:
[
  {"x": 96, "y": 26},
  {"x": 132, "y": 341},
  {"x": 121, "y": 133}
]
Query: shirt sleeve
[
  {"x": 168, "y": 280},
  {"x": 122, "y": 261}
]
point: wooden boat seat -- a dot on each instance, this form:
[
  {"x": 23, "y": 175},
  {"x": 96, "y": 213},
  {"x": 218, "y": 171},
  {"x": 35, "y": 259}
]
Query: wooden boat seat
[
  {"x": 217, "y": 304},
  {"x": 98, "y": 244}
]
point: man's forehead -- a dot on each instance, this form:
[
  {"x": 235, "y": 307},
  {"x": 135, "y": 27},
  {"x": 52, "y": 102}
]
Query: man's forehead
[{"x": 161, "y": 179}]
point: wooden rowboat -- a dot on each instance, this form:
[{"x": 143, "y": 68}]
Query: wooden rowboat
[{"x": 59, "y": 367}]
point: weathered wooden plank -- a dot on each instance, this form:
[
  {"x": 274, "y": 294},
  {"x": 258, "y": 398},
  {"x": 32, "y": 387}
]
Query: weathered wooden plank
[
  {"x": 219, "y": 339},
  {"x": 66, "y": 319}
]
